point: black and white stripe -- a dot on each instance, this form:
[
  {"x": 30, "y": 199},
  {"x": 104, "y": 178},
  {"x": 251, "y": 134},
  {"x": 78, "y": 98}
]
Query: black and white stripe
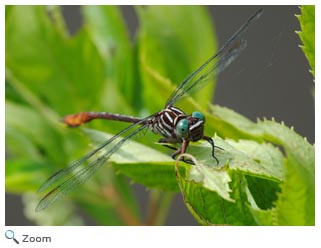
[
  {"x": 164, "y": 122},
  {"x": 196, "y": 130}
]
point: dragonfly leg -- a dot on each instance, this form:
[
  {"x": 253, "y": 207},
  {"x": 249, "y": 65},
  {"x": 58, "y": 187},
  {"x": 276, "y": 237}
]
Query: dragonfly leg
[
  {"x": 166, "y": 144},
  {"x": 182, "y": 150},
  {"x": 210, "y": 140},
  {"x": 178, "y": 151}
]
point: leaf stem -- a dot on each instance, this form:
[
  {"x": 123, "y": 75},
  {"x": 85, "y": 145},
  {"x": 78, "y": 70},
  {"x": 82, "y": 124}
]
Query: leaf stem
[
  {"x": 158, "y": 207},
  {"x": 125, "y": 214},
  {"x": 58, "y": 19}
]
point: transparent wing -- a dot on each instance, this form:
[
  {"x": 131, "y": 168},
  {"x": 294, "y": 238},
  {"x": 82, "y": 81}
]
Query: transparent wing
[
  {"x": 215, "y": 64},
  {"x": 81, "y": 170}
]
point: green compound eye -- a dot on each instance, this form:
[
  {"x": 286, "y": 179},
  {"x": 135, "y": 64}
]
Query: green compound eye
[
  {"x": 182, "y": 128},
  {"x": 198, "y": 115}
]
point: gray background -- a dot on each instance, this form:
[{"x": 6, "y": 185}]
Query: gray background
[{"x": 270, "y": 79}]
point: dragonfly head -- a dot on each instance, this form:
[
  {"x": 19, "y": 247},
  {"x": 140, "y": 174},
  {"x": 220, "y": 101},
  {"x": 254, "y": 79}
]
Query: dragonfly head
[{"x": 191, "y": 127}]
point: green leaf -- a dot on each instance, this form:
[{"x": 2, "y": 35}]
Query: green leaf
[
  {"x": 263, "y": 217},
  {"x": 109, "y": 32},
  {"x": 211, "y": 178},
  {"x": 256, "y": 169},
  {"x": 268, "y": 159},
  {"x": 228, "y": 123},
  {"x": 250, "y": 157},
  {"x": 24, "y": 175},
  {"x": 178, "y": 35},
  {"x": 296, "y": 147},
  {"x": 307, "y": 33},
  {"x": 211, "y": 209},
  {"x": 151, "y": 175},
  {"x": 263, "y": 191},
  {"x": 48, "y": 59},
  {"x": 141, "y": 163},
  {"x": 19, "y": 120},
  {"x": 221, "y": 194},
  {"x": 296, "y": 202}
]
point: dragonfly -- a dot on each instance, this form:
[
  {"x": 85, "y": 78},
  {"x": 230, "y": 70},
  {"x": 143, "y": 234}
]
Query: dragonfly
[{"x": 172, "y": 123}]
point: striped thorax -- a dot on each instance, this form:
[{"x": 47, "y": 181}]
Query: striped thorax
[{"x": 175, "y": 125}]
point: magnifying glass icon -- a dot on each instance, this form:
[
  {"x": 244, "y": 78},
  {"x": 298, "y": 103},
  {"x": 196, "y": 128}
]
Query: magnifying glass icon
[{"x": 10, "y": 235}]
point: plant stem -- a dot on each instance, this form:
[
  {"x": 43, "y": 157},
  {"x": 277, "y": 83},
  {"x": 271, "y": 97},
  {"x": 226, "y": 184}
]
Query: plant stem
[
  {"x": 158, "y": 207},
  {"x": 164, "y": 208},
  {"x": 122, "y": 210},
  {"x": 56, "y": 13}
]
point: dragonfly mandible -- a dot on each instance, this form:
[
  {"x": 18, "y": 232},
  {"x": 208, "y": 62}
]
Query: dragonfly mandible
[{"x": 171, "y": 122}]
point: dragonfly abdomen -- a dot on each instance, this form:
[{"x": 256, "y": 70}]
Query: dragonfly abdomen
[{"x": 75, "y": 120}]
